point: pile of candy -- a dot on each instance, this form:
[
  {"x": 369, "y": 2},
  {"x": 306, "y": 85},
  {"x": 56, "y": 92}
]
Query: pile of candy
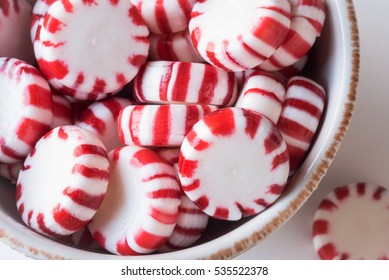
[{"x": 142, "y": 119}]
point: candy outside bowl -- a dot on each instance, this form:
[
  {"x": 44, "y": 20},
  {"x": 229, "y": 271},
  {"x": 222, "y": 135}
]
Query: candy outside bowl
[{"x": 334, "y": 63}]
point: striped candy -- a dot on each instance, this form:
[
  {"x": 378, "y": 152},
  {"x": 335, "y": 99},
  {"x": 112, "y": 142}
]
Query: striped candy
[
  {"x": 239, "y": 35},
  {"x": 173, "y": 47},
  {"x": 62, "y": 111},
  {"x": 101, "y": 118},
  {"x": 63, "y": 181},
  {"x": 75, "y": 51},
  {"x": 15, "y": 19},
  {"x": 233, "y": 163},
  {"x": 164, "y": 17},
  {"x": 10, "y": 171},
  {"x": 182, "y": 82},
  {"x": 191, "y": 221},
  {"x": 306, "y": 24},
  {"x": 264, "y": 94},
  {"x": 141, "y": 206},
  {"x": 26, "y": 109},
  {"x": 159, "y": 125},
  {"x": 297, "y": 44},
  {"x": 300, "y": 117},
  {"x": 352, "y": 223}
]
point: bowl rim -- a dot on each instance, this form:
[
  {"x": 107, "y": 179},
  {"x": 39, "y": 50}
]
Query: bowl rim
[{"x": 310, "y": 183}]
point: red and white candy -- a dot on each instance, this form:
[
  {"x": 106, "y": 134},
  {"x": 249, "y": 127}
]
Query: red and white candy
[
  {"x": 352, "y": 223},
  {"x": 182, "y": 82},
  {"x": 233, "y": 163},
  {"x": 191, "y": 221},
  {"x": 239, "y": 35},
  {"x": 300, "y": 117},
  {"x": 173, "y": 47},
  {"x": 15, "y": 20},
  {"x": 101, "y": 118},
  {"x": 63, "y": 181},
  {"x": 159, "y": 125},
  {"x": 141, "y": 206},
  {"x": 264, "y": 94},
  {"x": 26, "y": 109},
  {"x": 298, "y": 42},
  {"x": 164, "y": 17},
  {"x": 99, "y": 55},
  {"x": 306, "y": 24}
]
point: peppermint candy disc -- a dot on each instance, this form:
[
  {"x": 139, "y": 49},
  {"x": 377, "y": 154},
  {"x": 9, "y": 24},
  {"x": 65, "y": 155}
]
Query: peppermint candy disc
[
  {"x": 63, "y": 181},
  {"x": 264, "y": 94},
  {"x": 238, "y": 35},
  {"x": 26, "y": 109},
  {"x": 164, "y": 17},
  {"x": 185, "y": 83},
  {"x": 159, "y": 125},
  {"x": 141, "y": 206},
  {"x": 233, "y": 163},
  {"x": 101, "y": 118},
  {"x": 300, "y": 117},
  {"x": 93, "y": 47},
  {"x": 352, "y": 223}
]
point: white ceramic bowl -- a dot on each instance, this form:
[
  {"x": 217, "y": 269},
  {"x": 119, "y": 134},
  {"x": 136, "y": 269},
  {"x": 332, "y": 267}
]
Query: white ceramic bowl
[{"x": 334, "y": 63}]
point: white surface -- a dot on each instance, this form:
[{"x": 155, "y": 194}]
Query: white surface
[{"x": 363, "y": 155}]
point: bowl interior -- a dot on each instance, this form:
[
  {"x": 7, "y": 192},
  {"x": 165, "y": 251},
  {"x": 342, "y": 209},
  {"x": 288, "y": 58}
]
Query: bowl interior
[{"x": 334, "y": 64}]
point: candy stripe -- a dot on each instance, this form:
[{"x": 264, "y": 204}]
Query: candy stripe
[
  {"x": 263, "y": 93},
  {"x": 298, "y": 42},
  {"x": 300, "y": 117},
  {"x": 180, "y": 82},
  {"x": 166, "y": 125}
]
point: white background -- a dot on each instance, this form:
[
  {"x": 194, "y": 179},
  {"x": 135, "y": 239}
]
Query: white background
[{"x": 364, "y": 154}]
